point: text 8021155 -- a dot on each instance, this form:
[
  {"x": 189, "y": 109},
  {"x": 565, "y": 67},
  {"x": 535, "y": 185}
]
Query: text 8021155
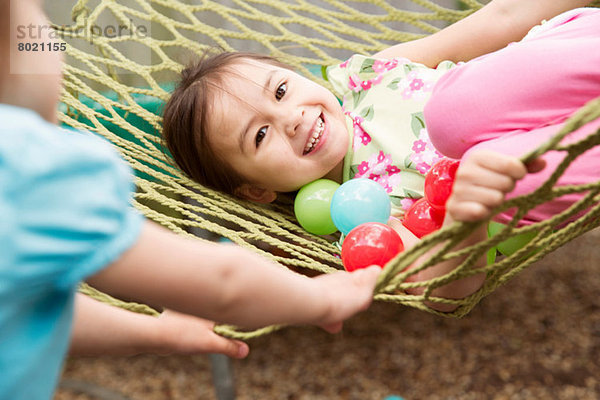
[{"x": 41, "y": 46}]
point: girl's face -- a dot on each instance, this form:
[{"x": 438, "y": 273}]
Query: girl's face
[{"x": 276, "y": 128}]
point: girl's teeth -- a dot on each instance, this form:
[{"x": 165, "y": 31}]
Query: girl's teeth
[{"x": 316, "y": 136}]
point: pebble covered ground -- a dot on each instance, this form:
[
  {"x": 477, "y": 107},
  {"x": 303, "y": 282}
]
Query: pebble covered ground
[{"x": 537, "y": 337}]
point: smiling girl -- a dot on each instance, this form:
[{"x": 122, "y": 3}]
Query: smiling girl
[{"x": 250, "y": 126}]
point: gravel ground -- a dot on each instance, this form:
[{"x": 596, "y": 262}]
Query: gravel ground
[{"x": 537, "y": 337}]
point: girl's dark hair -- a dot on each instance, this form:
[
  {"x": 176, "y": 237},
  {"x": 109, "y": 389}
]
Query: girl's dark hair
[{"x": 185, "y": 120}]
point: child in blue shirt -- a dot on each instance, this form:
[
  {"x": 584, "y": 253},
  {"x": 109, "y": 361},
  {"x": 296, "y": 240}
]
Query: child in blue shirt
[{"x": 66, "y": 217}]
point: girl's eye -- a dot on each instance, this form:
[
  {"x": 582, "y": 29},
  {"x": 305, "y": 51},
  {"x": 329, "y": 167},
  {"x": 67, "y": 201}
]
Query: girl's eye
[
  {"x": 260, "y": 135},
  {"x": 281, "y": 91}
]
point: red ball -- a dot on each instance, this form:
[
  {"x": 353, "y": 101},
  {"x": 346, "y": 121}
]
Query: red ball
[
  {"x": 439, "y": 181},
  {"x": 371, "y": 243},
  {"x": 422, "y": 219}
]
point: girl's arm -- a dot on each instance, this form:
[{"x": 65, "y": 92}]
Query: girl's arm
[
  {"x": 489, "y": 29},
  {"x": 101, "y": 329},
  {"x": 229, "y": 284}
]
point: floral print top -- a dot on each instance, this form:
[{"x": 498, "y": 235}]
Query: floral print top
[{"x": 383, "y": 101}]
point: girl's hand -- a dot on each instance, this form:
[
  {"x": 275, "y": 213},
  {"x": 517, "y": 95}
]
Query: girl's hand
[
  {"x": 102, "y": 329},
  {"x": 482, "y": 182},
  {"x": 178, "y": 333},
  {"x": 346, "y": 294}
]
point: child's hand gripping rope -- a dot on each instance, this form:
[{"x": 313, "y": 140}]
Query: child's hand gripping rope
[{"x": 483, "y": 180}]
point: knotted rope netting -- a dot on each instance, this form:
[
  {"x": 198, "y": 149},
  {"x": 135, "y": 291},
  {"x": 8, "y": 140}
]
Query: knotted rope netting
[{"x": 116, "y": 82}]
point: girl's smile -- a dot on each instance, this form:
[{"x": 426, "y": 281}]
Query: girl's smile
[{"x": 317, "y": 137}]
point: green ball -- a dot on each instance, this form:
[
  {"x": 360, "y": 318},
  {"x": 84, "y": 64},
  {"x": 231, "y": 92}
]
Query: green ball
[
  {"x": 491, "y": 256},
  {"x": 511, "y": 245},
  {"x": 312, "y": 206}
]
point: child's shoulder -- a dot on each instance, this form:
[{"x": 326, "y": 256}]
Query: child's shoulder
[
  {"x": 360, "y": 70},
  {"x": 63, "y": 185}
]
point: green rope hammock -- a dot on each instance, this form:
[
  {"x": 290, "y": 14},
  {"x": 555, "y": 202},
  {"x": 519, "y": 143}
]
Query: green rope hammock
[{"x": 116, "y": 85}]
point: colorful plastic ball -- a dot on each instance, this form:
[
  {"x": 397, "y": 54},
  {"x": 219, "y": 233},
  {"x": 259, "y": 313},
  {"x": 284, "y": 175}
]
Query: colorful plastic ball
[
  {"x": 491, "y": 255},
  {"x": 513, "y": 244},
  {"x": 422, "y": 219},
  {"x": 358, "y": 201},
  {"x": 439, "y": 181},
  {"x": 313, "y": 204},
  {"x": 368, "y": 244}
]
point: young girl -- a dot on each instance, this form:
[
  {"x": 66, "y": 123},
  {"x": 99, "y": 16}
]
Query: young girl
[
  {"x": 247, "y": 125},
  {"x": 66, "y": 216}
]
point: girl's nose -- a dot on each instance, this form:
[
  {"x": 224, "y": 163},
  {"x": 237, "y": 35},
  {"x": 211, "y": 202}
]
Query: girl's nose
[{"x": 293, "y": 120}]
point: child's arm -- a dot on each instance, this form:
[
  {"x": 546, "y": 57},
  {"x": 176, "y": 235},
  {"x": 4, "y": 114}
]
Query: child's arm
[
  {"x": 101, "y": 329},
  {"x": 482, "y": 181},
  {"x": 229, "y": 284},
  {"x": 489, "y": 29}
]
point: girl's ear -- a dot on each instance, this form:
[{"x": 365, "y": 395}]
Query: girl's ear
[{"x": 256, "y": 194}]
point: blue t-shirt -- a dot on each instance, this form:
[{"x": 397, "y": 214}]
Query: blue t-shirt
[{"x": 65, "y": 213}]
